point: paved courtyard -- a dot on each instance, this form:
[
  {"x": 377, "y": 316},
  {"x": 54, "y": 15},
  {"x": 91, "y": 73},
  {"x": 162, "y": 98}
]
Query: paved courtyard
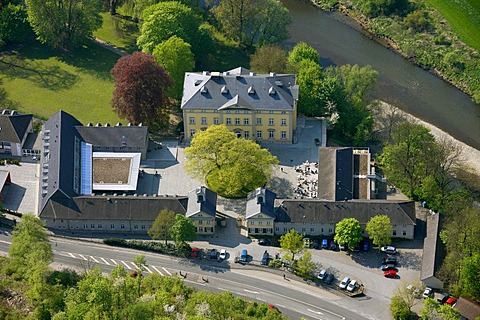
[{"x": 21, "y": 195}]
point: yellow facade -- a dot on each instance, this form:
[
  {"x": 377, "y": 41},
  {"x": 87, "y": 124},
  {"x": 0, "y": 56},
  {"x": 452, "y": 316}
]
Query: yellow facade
[
  {"x": 260, "y": 225},
  {"x": 204, "y": 223},
  {"x": 262, "y": 126}
]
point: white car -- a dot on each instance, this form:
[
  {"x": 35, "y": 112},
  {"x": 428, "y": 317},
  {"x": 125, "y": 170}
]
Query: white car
[
  {"x": 389, "y": 249},
  {"x": 223, "y": 254},
  {"x": 322, "y": 274},
  {"x": 427, "y": 293},
  {"x": 344, "y": 283},
  {"x": 352, "y": 285}
]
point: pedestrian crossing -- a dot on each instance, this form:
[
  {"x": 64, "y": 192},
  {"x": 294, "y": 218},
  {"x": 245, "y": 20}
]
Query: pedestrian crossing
[{"x": 128, "y": 265}]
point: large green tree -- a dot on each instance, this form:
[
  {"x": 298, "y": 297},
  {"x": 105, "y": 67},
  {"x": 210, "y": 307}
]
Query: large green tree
[
  {"x": 140, "y": 84},
  {"x": 301, "y": 51},
  {"x": 166, "y": 19},
  {"x": 470, "y": 276},
  {"x": 30, "y": 246},
  {"x": 269, "y": 58},
  {"x": 379, "y": 229},
  {"x": 233, "y": 167},
  {"x": 406, "y": 159},
  {"x": 433, "y": 310},
  {"x": 292, "y": 242},
  {"x": 183, "y": 229},
  {"x": 349, "y": 232},
  {"x": 14, "y": 24},
  {"x": 176, "y": 57},
  {"x": 160, "y": 229},
  {"x": 252, "y": 22},
  {"x": 64, "y": 24},
  {"x": 305, "y": 264}
]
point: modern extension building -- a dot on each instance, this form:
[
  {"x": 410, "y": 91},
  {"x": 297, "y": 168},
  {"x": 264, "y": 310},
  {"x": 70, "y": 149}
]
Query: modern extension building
[{"x": 260, "y": 107}]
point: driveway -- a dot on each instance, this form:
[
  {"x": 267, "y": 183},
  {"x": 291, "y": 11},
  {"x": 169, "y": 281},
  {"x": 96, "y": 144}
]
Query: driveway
[{"x": 21, "y": 195}]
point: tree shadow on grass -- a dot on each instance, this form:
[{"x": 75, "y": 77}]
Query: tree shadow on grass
[{"x": 49, "y": 77}]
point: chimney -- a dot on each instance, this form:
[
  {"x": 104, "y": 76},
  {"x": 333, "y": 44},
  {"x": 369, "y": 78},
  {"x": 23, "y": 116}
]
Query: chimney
[
  {"x": 260, "y": 194},
  {"x": 200, "y": 194}
]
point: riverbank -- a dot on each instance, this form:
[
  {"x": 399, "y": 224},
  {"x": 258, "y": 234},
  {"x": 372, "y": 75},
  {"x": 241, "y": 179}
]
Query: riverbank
[
  {"x": 425, "y": 57},
  {"x": 469, "y": 155}
]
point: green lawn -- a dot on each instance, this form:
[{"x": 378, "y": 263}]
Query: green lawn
[
  {"x": 463, "y": 16},
  {"x": 119, "y": 32},
  {"x": 42, "y": 81}
]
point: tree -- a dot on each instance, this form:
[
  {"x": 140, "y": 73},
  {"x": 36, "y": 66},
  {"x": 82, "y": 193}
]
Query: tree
[
  {"x": 404, "y": 299},
  {"x": 357, "y": 81},
  {"x": 305, "y": 264},
  {"x": 269, "y": 58},
  {"x": 405, "y": 160},
  {"x": 252, "y": 22},
  {"x": 176, "y": 57},
  {"x": 300, "y": 52},
  {"x": 379, "y": 229},
  {"x": 140, "y": 85},
  {"x": 64, "y": 24},
  {"x": 183, "y": 229},
  {"x": 230, "y": 166},
  {"x": 399, "y": 309},
  {"x": 309, "y": 80},
  {"x": 30, "y": 246},
  {"x": 292, "y": 242},
  {"x": 166, "y": 19},
  {"x": 14, "y": 24},
  {"x": 349, "y": 232},
  {"x": 470, "y": 275},
  {"x": 434, "y": 310},
  {"x": 160, "y": 229}
]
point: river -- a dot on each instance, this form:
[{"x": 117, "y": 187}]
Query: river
[{"x": 400, "y": 83}]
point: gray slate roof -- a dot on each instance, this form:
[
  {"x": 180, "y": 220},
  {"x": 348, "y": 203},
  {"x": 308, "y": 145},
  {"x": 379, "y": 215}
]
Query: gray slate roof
[
  {"x": 430, "y": 258},
  {"x": 322, "y": 211},
  {"x": 14, "y": 128},
  {"x": 335, "y": 174},
  {"x": 204, "y": 90},
  {"x": 255, "y": 207},
  {"x": 115, "y": 136},
  {"x": 207, "y": 206}
]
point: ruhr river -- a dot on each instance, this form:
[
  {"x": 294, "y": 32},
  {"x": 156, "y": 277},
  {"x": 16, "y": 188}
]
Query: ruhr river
[{"x": 400, "y": 83}]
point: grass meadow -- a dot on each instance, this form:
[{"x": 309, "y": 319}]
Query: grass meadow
[
  {"x": 463, "y": 16},
  {"x": 42, "y": 81}
]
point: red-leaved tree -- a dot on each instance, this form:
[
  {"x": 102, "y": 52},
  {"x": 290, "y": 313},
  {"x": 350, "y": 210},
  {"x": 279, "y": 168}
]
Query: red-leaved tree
[{"x": 139, "y": 95}]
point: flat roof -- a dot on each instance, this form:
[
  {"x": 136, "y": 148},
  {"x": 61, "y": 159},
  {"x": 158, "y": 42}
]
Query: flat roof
[{"x": 115, "y": 171}]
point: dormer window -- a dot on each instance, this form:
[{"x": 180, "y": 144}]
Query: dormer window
[
  {"x": 251, "y": 90},
  {"x": 200, "y": 198},
  {"x": 260, "y": 200},
  {"x": 200, "y": 194},
  {"x": 204, "y": 90},
  {"x": 224, "y": 90},
  {"x": 271, "y": 91}
]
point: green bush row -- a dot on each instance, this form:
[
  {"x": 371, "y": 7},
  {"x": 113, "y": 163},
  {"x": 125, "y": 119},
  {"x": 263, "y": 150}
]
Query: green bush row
[{"x": 182, "y": 250}]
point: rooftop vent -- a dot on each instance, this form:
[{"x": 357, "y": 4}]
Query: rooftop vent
[
  {"x": 197, "y": 82},
  {"x": 224, "y": 90}
]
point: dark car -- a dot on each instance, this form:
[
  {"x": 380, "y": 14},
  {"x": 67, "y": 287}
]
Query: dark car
[
  {"x": 265, "y": 258},
  {"x": 366, "y": 245},
  {"x": 333, "y": 246},
  {"x": 325, "y": 244},
  {"x": 329, "y": 279},
  {"x": 389, "y": 260},
  {"x": 213, "y": 254},
  {"x": 386, "y": 267},
  {"x": 264, "y": 242}
]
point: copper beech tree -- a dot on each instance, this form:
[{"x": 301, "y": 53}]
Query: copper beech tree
[{"x": 139, "y": 95}]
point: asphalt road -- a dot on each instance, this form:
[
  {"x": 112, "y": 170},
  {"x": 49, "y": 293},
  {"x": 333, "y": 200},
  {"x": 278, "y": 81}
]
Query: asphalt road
[{"x": 293, "y": 298}]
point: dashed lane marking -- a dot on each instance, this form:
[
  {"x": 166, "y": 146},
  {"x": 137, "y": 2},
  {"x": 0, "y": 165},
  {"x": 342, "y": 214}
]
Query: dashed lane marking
[
  {"x": 95, "y": 260},
  {"x": 126, "y": 265},
  {"x": 167, "y": 271},
  {"x": 155, "y": 268},
  {"x": 106, "y": 262},
  {"x": 114, "y": 262},
  {"x": 82, "y": 256},
  {"x": 148, "y": 269}
]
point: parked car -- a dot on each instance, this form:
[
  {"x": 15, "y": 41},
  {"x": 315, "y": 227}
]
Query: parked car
[
  {"x": 451, "y": 301},
  {"x": 307, "y": 242},
  {"x": 441, "y": 298},
  {"x": 344, "y": 283},
  {"x": 342, "y": 246},
  {"x": 333, "y": 246},
  {"x": 427, "y": 293},
  {"x": 264, "y": 242},
  {"x": 366, "y": 245},
  {"x": 213, "y": 254},
  {"x": 265, "y": 258},
  {"x": 316, "y": 244},
  {"x": 325, "y": 244},
  {"x": 389, "y": 260},
  {"x": 223, "y": 254},
  {"x": 195, "y": 252},
  {"x": 352, "y": 285},
  {"x": 389, "y": 249},
  {"x": 386, "y": 267},
  {"x": 322, "y": 274},
  {"x": 244, "y": 256},
  {"x": 329, "y": 279},
  {"x": 390, "y": 273}
]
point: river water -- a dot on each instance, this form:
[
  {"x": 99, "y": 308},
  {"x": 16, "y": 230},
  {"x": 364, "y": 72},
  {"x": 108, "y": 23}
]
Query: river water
[{"x": 400, "y": 83}]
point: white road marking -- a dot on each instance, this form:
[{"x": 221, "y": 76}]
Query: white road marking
[
  {"x": 317, "y": 312},
  {"x": 114, "y": 262},
  {"x": 82, "y": 256},
  {"x": 222, "y": 289},
  {"x": 155, "y": 268},
  {"x": 126, "y": 265},
  {"x": 71, "y": 255},
  {"x": 263, "y": 300},
  {"x": 250, "y": 291},
  {"x": 136, "y": 267},
  {"x": 95, "y": 260},
  {"x": 168, "y": 272},
  {"x": 147, "y": 269},
  {"x": 5, "y": 242},
  {"x": 106, "y": 262},
  {"x": 281, "y": 306}
]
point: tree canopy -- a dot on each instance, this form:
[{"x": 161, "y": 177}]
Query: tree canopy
[
  {"x": 252, "y": 22},
  {"x": 230, "y": 166},
  {"x": 379, "y": 229},
  {"x": 300, "y": 52},
  {"x": 292, "y": 242},
  {"x": 64, "y": 24},
  {"x": 269, "y": 58},
  {"x": 140, "y": 85},
  {"x": 176, "y": 57},
  {"x": 160, "y": 229},
  {"x": 183, "y": 229},
  {"x": 14, "y": 24},
  {"x": 305, "y": 264},
  {"x": 349, "y": 232}
]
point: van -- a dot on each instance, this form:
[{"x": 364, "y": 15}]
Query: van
[
  {"x": 265, "y": 258},
  {"x": 243, "y": 256}
]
